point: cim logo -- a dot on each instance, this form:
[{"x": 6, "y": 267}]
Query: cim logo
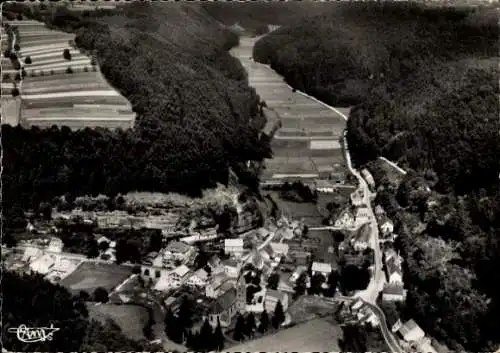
[{"x": 34, "y": 334}]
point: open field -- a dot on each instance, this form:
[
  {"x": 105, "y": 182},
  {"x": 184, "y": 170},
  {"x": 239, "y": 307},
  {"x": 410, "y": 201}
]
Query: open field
[
  {"x": 130, "y": 318},
  {"x": 88, "y": 276},
  {"x": 309, "y": 129},
  {"x": 320, "y": 335},
  {"x": 309, "y": 307},
  {"x": 59, "y": 90},
  {"x": 297, "y": 210}
]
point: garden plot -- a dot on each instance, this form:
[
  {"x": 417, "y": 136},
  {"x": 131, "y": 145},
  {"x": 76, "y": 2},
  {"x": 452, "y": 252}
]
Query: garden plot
[{"x": 89, "y": 276}]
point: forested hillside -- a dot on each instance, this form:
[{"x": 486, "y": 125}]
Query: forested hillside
[
  {"x": 255, "y": 16},
  {"x": 424, "y": 86},
  {"x": 196, "y": 115},
  {"x": 52, "y": 304},
  {"x": 422, "y": 79}
]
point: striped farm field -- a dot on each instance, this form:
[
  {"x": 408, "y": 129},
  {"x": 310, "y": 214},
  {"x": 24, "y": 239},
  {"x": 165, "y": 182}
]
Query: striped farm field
[
  {"x": 308, "y": 141},
  {"x": 65, "y": 90}
]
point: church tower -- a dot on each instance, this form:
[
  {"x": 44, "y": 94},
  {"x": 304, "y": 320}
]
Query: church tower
[{"x": 241, "y": 294}]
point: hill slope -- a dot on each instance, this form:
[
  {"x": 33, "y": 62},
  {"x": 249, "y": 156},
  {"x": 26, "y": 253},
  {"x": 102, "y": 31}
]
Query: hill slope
[
  {"x": 424, "y": 85},
  {"x": 196, "y": 115}
]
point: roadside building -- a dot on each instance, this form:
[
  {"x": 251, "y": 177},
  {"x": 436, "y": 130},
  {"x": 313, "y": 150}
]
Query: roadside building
[
  {"x": 362, "y": 237},
  {"x": 393, "y": 293},
  {"x": 272, "y": 298},
  {"x": 321, "y": 267},
  {"x": 345, "y": 219},
  {"x": 223, "y": 309},
  {"x": 411, "y": 332},
  {"x": 233, "y": 246}
]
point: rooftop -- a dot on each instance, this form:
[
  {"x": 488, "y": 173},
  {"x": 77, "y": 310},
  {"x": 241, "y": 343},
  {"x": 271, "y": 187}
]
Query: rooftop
[
  {"x": 233, "y": 242},
  {"x": 393, "y": 266},
  {"x": 178, "y": 247},
  {"x": 321, "y": 267},
  {"x": 411, "y": 327},
  {"x": 224, "y": 302},
  {"x": 181, "y": 271},
  {"x": 363, "y": 234},
  {"x": 230, "y": 263}
]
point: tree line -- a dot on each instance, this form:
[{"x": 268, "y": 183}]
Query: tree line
[{"x": 195, "y": 111}]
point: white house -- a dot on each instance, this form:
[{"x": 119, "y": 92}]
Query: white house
[
  {"x": 233, "y": 246},
  {"x": 393, "y": 293},
  {"x": 386, "y": 225},
  {"x": 345, "y": 219},
  {"x": 198, "y": 279},
  {"x": 231, "y": 268},
  {"x": 360, "y": 241},
  {"x": 321, "y": 267},
  {"x": 272, "y": 298},
  {"x": 55, "y": 245},
  {"x": 362, "y": 216},
  {"x": 411, "y": 332}
]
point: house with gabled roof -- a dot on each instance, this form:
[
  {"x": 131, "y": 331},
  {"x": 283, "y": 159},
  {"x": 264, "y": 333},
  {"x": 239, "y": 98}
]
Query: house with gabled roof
[
  {"x": 360, "y": 241},
  {"x": 393, "y": 292},
  {"x": 411, "y": 332},
  {"x": 215, "y": 265},
  {"x": 231, "y": 267},
  {"x": 198, "y": 279}
]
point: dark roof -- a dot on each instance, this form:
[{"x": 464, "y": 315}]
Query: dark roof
[
  {"x": 392, "y": 266},
  {"x": 214, "y": 261},
  {"x": 224, "y": 302},
  {"x": 364, "y": 233},
  {"x": 394, "y": 289}
]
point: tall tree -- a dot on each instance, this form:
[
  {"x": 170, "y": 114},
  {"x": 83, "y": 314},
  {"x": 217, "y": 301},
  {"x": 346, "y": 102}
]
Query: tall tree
[
  {"x": 278, "y": 315},
  {"x": 172, "y": 328},
  {"x": 273, "y": 281},
  {"x": 239, "y": 328},
  {"x": 264, "y": 322},
  {"x": 218, "y": 337},
  {"x": 250, "y": 325},
  {"x": 300, "y": 285},
  {"x": 205, "y": 338}
]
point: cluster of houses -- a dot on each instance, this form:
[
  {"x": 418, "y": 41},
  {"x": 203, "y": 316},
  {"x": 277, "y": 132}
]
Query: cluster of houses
[
  {"x": 413, "y": 338},
  {"x": 358, "y": 312},
  {"x": 45, "y": 257},
  {"x": 221, "y": 283}
]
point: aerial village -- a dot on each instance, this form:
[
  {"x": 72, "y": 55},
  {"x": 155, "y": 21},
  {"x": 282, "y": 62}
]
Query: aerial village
[{"x": 255, "y": 265}]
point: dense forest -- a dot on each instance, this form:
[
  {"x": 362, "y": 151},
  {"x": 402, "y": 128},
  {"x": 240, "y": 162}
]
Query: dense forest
[
  {"x": 196, "y": 115},
  {"x": 52, "y": 304},
  {"x": 423, "y": 83}
]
